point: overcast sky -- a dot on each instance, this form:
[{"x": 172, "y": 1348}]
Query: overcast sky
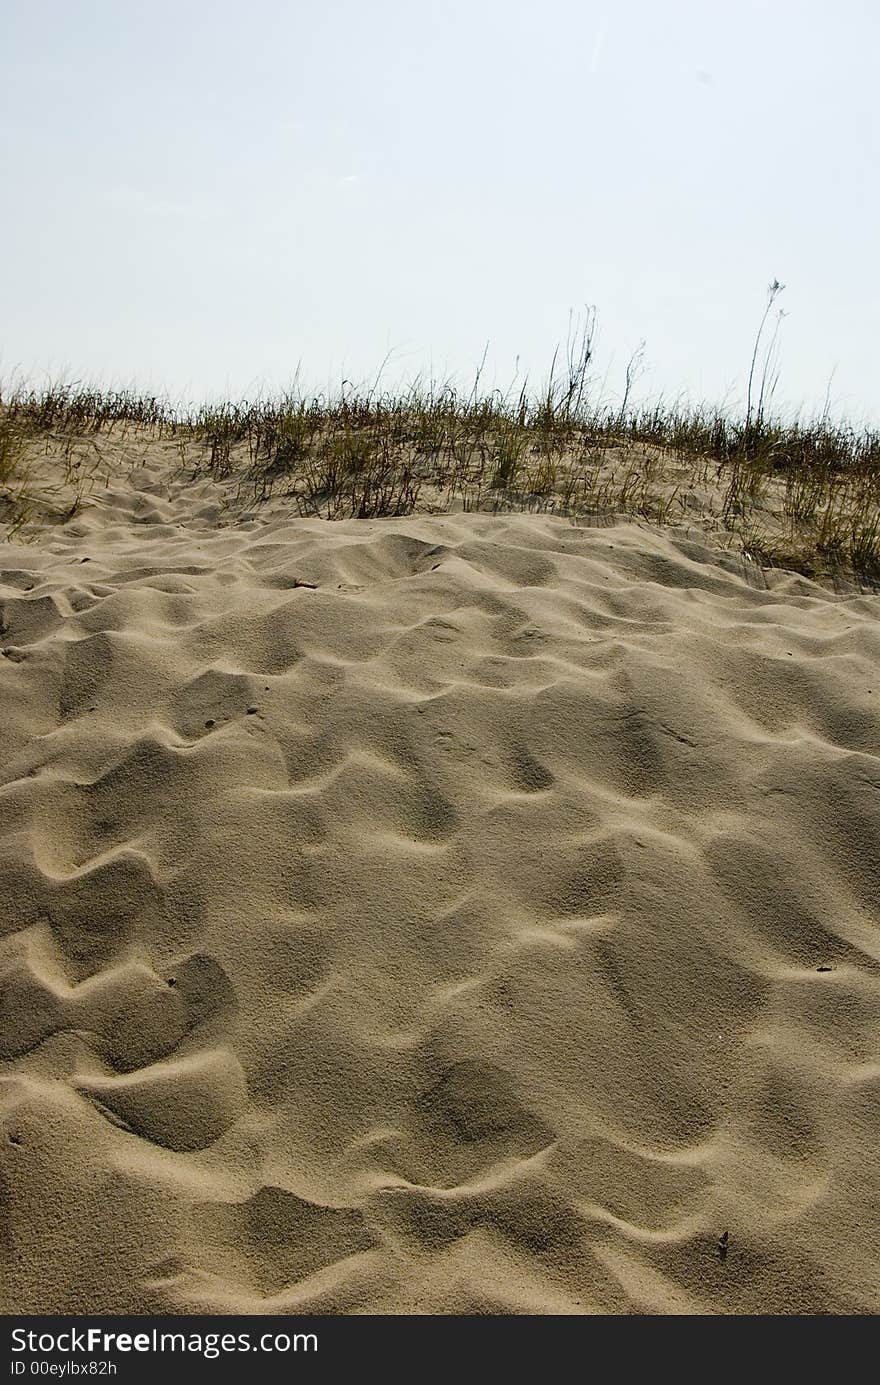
[{"x": 198, "y": 196}]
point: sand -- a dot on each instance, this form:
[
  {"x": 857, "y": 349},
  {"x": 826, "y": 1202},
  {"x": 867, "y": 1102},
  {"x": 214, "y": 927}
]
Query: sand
[{"x": 453, "y": 914}]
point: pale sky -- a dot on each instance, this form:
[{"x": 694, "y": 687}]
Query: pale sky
[{"x": 199, "y": 196}]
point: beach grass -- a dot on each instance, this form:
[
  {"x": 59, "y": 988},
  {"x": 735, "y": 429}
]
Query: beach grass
[{"x": 793, "y": 493}]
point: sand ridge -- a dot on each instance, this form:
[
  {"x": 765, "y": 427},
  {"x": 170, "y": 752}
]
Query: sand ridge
[{"x": 458, "y": 913}]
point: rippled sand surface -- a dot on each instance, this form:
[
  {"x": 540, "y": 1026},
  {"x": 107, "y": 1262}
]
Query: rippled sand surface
[{"x": 450, "y": 914}]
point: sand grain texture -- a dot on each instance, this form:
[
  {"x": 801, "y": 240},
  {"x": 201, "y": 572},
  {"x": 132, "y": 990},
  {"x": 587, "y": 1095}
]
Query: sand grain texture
[{"x": 449, "y": 914}]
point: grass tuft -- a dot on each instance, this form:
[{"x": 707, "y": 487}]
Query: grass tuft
[{"x": 805, "y": 495}]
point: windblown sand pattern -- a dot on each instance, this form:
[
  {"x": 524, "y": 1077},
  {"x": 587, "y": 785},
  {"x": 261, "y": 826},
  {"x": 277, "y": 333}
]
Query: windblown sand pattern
[{"x": 449, "y": 914}]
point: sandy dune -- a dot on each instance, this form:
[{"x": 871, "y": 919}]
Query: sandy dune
[{"x": 451, "y": 914}]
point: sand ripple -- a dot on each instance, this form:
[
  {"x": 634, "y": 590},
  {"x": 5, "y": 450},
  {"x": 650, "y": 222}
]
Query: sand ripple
[{"x": 455, "y": 914}]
